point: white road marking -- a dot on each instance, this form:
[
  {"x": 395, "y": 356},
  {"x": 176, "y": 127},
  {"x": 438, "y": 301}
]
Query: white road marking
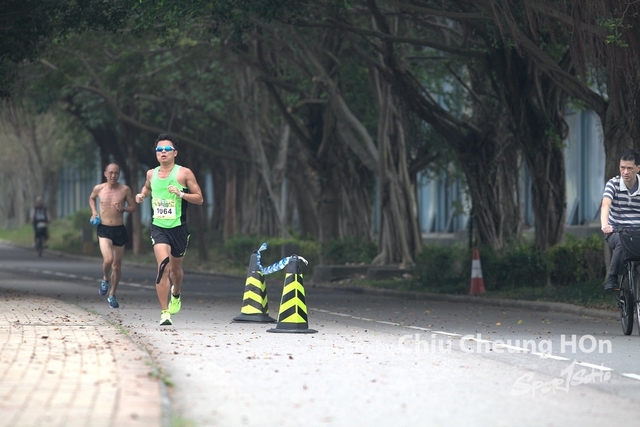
[
  {"x": 499, "y": 345},
  {"x": 451, "y": 334},
  {"x": 549, "y": 356},
  {"x": 418, "y": 328},
  {"x": 512, "y": 347},
  {"x": 592, "y": 366}
]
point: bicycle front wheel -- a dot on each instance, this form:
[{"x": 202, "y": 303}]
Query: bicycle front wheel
[{"x": 636, "y": 292}]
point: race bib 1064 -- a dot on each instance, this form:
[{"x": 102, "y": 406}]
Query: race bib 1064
[{"x": 164, "y": 209}]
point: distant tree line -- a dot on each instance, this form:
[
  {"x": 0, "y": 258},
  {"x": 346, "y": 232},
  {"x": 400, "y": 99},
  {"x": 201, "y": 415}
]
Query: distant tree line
[{"x": 339, "y": 100}]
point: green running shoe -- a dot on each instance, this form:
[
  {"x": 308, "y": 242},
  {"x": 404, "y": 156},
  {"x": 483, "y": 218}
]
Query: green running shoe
[
  {"x": 175, "y": 303},
  {"x": 165, "y": 318}
]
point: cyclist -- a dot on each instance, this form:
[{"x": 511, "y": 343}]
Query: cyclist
[
  {"x": 620, "y": 208},
  {"x": 39, "y": 218}
]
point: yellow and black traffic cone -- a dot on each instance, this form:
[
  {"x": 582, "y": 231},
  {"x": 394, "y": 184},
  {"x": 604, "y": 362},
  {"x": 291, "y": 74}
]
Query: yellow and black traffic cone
[
  {"x": 255, "y": 305},
  {"x": 292, "y": 317}
]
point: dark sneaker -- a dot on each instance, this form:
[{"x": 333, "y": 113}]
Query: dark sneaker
[
  {"x": 612, "y": 283},
  {"x": 104, "y": 287},
  {"x": 113, "y": 302}
]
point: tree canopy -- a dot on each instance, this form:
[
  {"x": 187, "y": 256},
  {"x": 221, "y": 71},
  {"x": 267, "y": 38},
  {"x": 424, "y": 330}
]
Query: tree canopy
[{"x": 341, "y": 100}]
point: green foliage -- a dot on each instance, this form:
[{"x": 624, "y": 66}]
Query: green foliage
[
  {"x": 442, "y": 268},
  {"x": 22, "y": 235},
  {"x": 241, "y": 247},
  {"x": 80, "y": 219},
  {"x": 584, "y": 294},
  {"x": 349, "y": 250},
  {"x": 68, "y": 233},
  {"x": 64, "y": 234},
  {"x": 71, "y": 242},
  {"x": 585, "y": 256},
  {"x": 614, "y": 27},
  {"x": 28, "y": 24},
  {"x": 521, "y": 265},
  {"x": 577, "y": 264},
  {"x": 218, "y": 14},
  {"x": 239, "y": 250},
  {"x": 355, "y": 84},
  {"x": 8, "y": 73}
]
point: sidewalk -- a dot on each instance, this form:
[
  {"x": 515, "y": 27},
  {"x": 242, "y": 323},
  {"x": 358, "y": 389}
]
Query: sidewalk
[{"x": 63, "y": 366}]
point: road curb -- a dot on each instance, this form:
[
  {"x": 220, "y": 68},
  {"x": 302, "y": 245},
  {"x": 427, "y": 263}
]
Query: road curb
[{"x": 477, "y": 299}]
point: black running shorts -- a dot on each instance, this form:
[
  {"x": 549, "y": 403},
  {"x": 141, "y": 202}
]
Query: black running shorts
[
  {"x": 116, "y": 233},
  {"x": 177, "y": 238}
]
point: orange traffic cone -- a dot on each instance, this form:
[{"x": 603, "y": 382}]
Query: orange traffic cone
[
  {"x": 477, "y": 283},
  {"x": 255, "y": 305}
]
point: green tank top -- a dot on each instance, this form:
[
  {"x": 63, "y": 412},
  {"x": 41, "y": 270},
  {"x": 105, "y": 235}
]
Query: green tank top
[{"x": 169, "y": 210}]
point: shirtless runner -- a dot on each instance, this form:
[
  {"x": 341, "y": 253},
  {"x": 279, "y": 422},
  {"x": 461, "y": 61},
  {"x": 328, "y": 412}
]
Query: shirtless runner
[{"x": 115, "y": 200}]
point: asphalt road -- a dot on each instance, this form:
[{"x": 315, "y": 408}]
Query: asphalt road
[{"x": 375, "y": 360}]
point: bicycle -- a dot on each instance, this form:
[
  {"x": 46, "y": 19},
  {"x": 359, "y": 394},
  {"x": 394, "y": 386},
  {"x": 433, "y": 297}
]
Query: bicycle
[
  {"x": 629, "y": 283},
  {"x": 41, "y": 236}
]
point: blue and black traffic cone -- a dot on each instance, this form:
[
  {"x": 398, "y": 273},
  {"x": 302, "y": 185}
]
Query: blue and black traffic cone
[
  {"x": 293, "y": 308},
  {"x": 255, "y": 305}
]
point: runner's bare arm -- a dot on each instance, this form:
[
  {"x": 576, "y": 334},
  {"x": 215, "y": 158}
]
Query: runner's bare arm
[
  {"x": 195, "y": 193},
  {"x": 92, "y": 200},
  {"x": 128, "y": 196},
  {"x": 146, "y": 188}
]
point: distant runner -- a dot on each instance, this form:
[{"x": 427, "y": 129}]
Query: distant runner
[{"x": 115, "y": 200}]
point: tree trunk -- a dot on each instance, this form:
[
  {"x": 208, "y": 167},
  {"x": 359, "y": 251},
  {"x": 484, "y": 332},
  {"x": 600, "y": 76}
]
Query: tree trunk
[
  {"x": 268, "y": 154},
  {"x": 329, "y": 203},
  {"x": 482, "y": 149},
  {"x": 218, "y": 176},
  {"x": 303, "y": 196},
  {"x": 399, "y": 239},
  {"x": 230, "y": 192},
  {"x": 537, "y": 107},
  {"x": 131, "y": 170},
  {"x": 321, "y": 147},
  {"x": 490, "y": 166},
  {"x": 618, "y": 127},
  {"x": 485, "y": 153}
]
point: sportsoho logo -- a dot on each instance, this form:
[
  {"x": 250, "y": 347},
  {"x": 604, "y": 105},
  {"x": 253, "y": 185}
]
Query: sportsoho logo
[
  {"x": 574, "y": 374},
  {"x": 568, "y": 344},
  {"x": 570, "y": 376}
]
